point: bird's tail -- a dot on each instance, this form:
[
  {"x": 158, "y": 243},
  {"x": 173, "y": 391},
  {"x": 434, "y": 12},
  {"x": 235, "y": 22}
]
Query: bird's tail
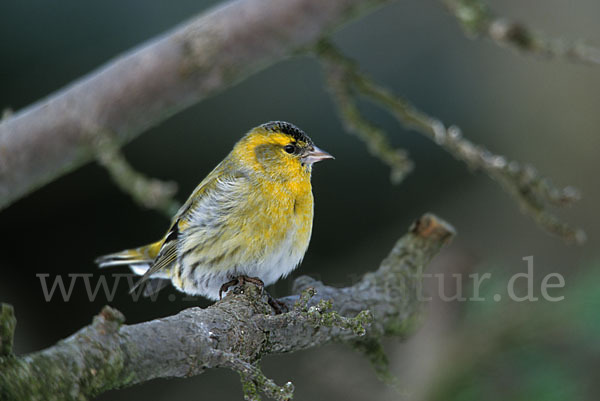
[{"x": 139, "y": 261}]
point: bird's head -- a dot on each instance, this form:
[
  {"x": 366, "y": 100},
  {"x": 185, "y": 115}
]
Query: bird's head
[{"x": 280, "y": 150}]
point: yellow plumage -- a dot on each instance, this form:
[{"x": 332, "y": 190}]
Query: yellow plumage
[{"x": 251, "y": 216}]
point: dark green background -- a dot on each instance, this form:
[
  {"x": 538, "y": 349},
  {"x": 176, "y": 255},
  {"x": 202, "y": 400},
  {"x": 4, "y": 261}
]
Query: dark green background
[{"x": 540, "y": 111}]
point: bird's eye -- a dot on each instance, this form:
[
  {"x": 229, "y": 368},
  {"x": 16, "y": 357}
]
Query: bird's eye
[{"x": 289, "y": 148}]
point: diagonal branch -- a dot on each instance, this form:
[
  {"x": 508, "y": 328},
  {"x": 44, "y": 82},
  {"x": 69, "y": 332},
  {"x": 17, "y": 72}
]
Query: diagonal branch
[
  {"x": 146, "y": 85},
  {"x": 374, "y": 137},
  {"x": 478, "y": 20},
  {"x": 234, "y": 333},
  {"x": 533, "y": 192}
]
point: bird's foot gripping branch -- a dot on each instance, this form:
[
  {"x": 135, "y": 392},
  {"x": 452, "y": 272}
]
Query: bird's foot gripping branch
[{"x": 234, "y": 333}]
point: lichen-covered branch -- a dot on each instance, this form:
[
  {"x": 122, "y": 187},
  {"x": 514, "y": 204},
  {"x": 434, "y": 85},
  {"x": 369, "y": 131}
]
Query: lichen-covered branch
[
  {"x": 146, "y": 85},
  {"x": 533, "y": 192},
  {"x": 233, "y": 333},
  {"x": 477, "y": 19},
  {"x": 150, "y": 193},
  {"x": 255, "y": 382},
  {"x": 7, "y": 329},
  {"x": 373, "y": 349},
  {"x": 374, "y": 137}
]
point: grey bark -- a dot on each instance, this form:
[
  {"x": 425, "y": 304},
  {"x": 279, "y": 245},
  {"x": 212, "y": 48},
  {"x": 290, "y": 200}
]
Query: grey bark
[{"x": 234, "y": 332}]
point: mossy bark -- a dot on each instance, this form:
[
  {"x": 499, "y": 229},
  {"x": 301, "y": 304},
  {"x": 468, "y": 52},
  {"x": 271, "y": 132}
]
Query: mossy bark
[{"x": 234, "y": 333}]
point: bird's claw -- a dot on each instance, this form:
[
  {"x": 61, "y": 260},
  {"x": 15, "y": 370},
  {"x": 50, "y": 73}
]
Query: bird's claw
[
  {"x": 278, "y": 306},
  {"x": 240, "y": 281}
]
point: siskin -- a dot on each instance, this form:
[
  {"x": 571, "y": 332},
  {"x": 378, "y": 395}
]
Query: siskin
[{"x": 249, "y": 219}]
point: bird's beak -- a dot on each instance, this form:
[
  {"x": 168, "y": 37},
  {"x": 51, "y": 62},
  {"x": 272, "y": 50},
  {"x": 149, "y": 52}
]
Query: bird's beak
[{"x": 315, "y": 155}]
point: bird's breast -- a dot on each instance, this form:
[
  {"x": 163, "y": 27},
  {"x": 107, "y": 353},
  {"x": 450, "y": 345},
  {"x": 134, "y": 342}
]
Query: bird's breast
[
  {"x": 284, "y": 239},
  {"x": 287, "y": 206}
]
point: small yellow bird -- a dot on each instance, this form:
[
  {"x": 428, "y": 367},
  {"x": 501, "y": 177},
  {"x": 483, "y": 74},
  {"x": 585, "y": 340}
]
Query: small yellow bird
[{"x": 249, "y": 219}]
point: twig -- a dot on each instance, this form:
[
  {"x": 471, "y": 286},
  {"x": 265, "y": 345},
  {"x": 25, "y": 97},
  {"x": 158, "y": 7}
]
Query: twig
[
  {"x": 478, "y": 20},
  {"x": 533, "y": 192},
  {"x": 254, "y": 380},
  {"x": 373, "y": 349},
  {"x": 234, "y": 333},
  {"x": 374, "y": 137},
  {"x": 148, "y": 192}
]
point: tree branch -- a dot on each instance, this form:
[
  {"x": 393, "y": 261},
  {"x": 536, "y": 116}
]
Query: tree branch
[
  {"x": 374, "y": 137},
  {"x": 165, "y": 75},
  {"x": 7, "y": 329},
  {"x": 478, "y": 20},
  {"x": 150, "y": 193},
  {"x": 533, "y": 192},
  {"x": 234, "y": 333}
]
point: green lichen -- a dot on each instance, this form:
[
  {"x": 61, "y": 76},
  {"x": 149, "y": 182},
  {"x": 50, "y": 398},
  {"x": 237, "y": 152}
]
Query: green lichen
[
  {"x": 255, "y": 382},
  {"x": 250, "y": 390},
  {"x": 322, "y": 315},
  {"x": 56, "y": 375},
  {"x": 375, "y": 353},
  {"x": 302, "y": 304},
  {"x": 28, "y": 380},
  {"x": 8, "y": 323}
]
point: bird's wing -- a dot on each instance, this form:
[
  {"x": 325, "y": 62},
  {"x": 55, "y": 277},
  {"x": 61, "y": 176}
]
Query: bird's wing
[
  {"x": 207, "y": 204},
  {"x": 214, "y": 221},
  {"x": 166, "y": 256},
  {"x": 154, "y": 285}
]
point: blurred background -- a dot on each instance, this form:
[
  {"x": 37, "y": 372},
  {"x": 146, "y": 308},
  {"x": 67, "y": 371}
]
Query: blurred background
[{"x": 529, "y": 109}]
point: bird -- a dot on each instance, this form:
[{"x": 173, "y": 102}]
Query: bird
[{"x": 249, "y": 220}]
